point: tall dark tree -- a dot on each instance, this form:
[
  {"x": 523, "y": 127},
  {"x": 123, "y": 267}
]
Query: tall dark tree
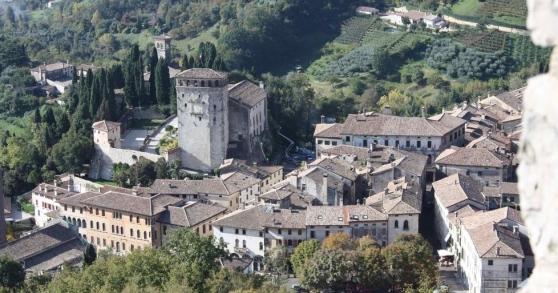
[
  {"x": 162, "y": 83},
  {"x": 153, "y": 59},
  {"x": 130, "y": 70},
  {"x": 89, "y": 255},
  {"x": 49, "y": 117},
  {"x": 185, "y": 62},
  {"x": 37, "y": 116},
  {"x": 95, "y": 95},
  {"x": 62, "y": 123},
  {"x": 12, "y": 273}
]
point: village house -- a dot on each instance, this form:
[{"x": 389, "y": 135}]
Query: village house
[
  {"x": 58, "y": 75},
  {"x": 269, "y": 175},
  {"x": 488, "y": 167},
  {"x": 257, "y": 229},
  {"x": 285, "y": 196},
  {"x": 206, "y": 190},
  {"x": 429, "y": 136},
  {"x": 367, "y": 10},
  {"x": 246, "y": 186},
  {"x": 402, "y": 204},
  {"x": 492, "y": 251},
  {"x": 47, "y": 249},
  {"x": 332, "y": 181},
  {"x": 117, "y": 221},
  {"x": 455, "y": 196},
  {"x": 194, "y": 215}
]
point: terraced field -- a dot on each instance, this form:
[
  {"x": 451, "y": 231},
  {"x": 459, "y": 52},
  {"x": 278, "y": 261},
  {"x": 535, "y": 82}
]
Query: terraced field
[
  {"x": 490, "y": 42},
  {"x": 354, "y": 29},
  {"x": 525, "y": 52}
]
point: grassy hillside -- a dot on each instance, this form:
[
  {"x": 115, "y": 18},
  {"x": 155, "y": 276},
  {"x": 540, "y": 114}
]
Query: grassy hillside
[{"x": 500, "y": 12}]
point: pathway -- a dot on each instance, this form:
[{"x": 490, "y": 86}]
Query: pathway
[{"x": 505, "y": 29}]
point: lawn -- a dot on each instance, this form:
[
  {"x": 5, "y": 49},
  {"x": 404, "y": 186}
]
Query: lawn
[
  {"x": 145, "y": 38},
  {"x": 466, "y": 7},
  {"x": 27, "y": 206}
]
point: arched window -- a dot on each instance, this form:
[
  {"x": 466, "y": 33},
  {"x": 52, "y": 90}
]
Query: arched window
[
  {"x": 406, "y": 225},
  {"x": 84, "y": 223},
  {"x": 396, "y": 224},
  {"x": 244, "y": 243},
  {"x": 138, "y": 233},
  {"x": 236, "y": 243},
  {"x": 144, "y": 235},
  {"x": 79, "y": 222}
]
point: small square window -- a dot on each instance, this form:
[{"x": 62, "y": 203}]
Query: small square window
[{"x": 490, "y": 262}]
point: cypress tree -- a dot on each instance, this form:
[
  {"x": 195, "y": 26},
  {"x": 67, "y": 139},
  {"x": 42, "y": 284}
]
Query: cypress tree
[
  {"x": 162, "y": 83},
  {"x": 153, "y": 59},
  {"x": 62, "y": 123},
  {"x": 111, "y": 99},
  {"x": 95, "y": 96},
  {"x": 192, "y": 62},
  {"x": 37, "y": 116},
  {"x": 130, "y": 78},
  {"x": 185, "y": 63},
  {"x": 49, "y": 117}
]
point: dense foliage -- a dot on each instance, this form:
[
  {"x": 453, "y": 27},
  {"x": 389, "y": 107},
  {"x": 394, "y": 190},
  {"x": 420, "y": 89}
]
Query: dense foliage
[
  {"x": 342, "y": 264},
  {"x": 187, "y": 263},
  {"x": 461, "y": 62}
]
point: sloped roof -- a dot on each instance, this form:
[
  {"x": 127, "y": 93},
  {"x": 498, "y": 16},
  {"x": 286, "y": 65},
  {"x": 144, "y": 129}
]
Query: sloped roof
[
  {"x": 190, "y": 214},
  {"x": 494, "y": 241},
  {"x": 359, "y": 152},
  {"x": 476, "y": 157},
  {"x": 457, "y": 188},
  {"x": 237, "y": 181},
  {"x": 148, "y": 206},
  {"x": 258, "y": 217},
  {"x": 396, "y": 202},
  {"x": 513, "y": 99},
  {"x": 375, "y": 124},
  {"x": 328, "y": 130},
  {"x": 46, "y": 240},
  {"x": 105, "y": 125},
  {"x": 247, "y": 93},
  {"x": 178, "y": 187},
  {"x": 326, "y": 216},
  {"x": 336, "y": 166},
  {"x": 493, "y": 216},
  {"x": 77, "y": 199},
  {"x": 202, "y": 73}
]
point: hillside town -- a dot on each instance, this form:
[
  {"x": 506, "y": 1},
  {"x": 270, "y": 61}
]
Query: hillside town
[{"x": 388, "y": 161}]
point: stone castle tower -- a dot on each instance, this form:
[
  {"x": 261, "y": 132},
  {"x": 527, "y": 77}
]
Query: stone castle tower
[
  {"x": 203, "y": 124},
  {"x": 163, "y": 46}
]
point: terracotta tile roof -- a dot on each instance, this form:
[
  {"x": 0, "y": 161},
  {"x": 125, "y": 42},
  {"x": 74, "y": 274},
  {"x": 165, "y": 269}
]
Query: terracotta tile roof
[
  {"x": 258, "y": 217},
  {"x": 48, "y": 244},
  {"x": 52, "y": 66},
  {"x": 247, "y": 93},
  {"x": 77, "y": 199},
  {"x": 179, "y": 187},
  {"x": 256, "y": 170},
  {"x": 495, "y": 241},
  {"x": 513, "y": 99},
  {"x": 202, "y": 73},
  {"x": 491, "y": 142},
  {"x": 237, "y": 181},
  {"x": 105, "y": 125},
  {"x": 457, "y": 188},
  {"x": 51, "y": 191},
  {"x": 360, "y": 153},
  {"x": 399, "y": 201},
  {"x": 328, "y": 130},
  {"x": 326, "y": 216},
  {"x": 475, "y": 157},
  {"x": 493, "y": 216},
  {"x": 504, "y": 188},
  {"x": 375, "y": 124},
  {"x": 336, "y": 166},
  {"x": 190, "y": 214},
  {"x": 148, "y": 206}
]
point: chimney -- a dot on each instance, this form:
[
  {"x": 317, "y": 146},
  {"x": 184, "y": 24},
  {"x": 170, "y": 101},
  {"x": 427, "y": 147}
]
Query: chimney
[
  {"x": 422, "y": 112},
  {"x": 324, "y": 188},
  {"x": 515, "y": 230},
  {"x": 322, "y": 118},
  {"x": 71, "y": 183},
  {"x": 262, "y": 86}
]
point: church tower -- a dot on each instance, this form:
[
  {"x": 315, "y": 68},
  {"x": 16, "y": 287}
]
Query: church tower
[
  {"x": 163, "y": 46},
  {"x": 203, "y": 124}
]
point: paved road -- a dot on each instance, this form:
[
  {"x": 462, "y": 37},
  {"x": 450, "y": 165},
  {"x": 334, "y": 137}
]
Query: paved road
[{"x": 158, "y": 136}]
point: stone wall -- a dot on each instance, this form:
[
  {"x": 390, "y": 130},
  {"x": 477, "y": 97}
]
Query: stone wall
[{"x": 539, "y": 157}]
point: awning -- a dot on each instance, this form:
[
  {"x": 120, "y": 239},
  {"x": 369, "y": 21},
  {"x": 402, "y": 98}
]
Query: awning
[{"x": 444, "y": 252}]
